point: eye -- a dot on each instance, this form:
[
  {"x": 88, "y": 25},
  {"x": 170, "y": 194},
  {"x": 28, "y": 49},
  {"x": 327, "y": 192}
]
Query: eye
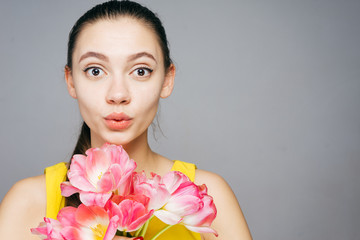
[
  {"x": 142, "y": 72},
  {"x": 94, "y": 71}
]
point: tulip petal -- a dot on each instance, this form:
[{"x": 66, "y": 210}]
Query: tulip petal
[
  {"x": 173, "y": 180},
  {"x": 205, "y": 216},
  {"x": 168, "y": 217},
  {"x": 126, "y": 187},
  {"x": 91, "y": 198},
  {"x": 49, "y": 229},
  {"x": 77, "y": 174},
  {"x": 187, "y": 188},
  {"x": 202, "y": 230},
  {"x": 184, "y": 205},
  {"x": 106, "y": 183},
  {"x": 152, "y": 188},
  {"x": 67, "y": 189},
  {"x": 66, "y": 216},
  {"x": 71, "y": 233},
  {"x": 97, "y": 164},
  {"x": 140, "y": 221},
  {"x": 131, "y": 214},
  {"x": 91, "y": 216},
  {"x": 112, "y": 228}
]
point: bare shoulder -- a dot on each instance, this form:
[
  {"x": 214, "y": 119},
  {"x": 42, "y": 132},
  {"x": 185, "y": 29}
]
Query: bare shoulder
[
  {"x": 216, "y": 184},
  {"x": 206, "y": 177},
  {"x": 32, "y": 186},
  {"x": 227, "y": 208},
  {"x": 22, "y": 208}
]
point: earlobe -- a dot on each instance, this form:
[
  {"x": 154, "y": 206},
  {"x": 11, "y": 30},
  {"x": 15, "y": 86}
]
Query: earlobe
[
  {"x": 168, "y": 84},
  {"x": 70, "y": 82}
]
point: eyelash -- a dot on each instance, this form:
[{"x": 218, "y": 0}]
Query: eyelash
[
  {"x": 89, "y": 68},
  {"x": 139, "y": 68},
  {"x": 144, "y": 68}
]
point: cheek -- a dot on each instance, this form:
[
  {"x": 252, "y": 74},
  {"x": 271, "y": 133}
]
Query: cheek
[
  {"x": 147, "y": 101},
  {"x": 88, "y": 101}
]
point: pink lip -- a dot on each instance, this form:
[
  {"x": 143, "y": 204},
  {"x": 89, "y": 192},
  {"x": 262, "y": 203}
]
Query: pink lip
[{"x": 118, "y": 121}]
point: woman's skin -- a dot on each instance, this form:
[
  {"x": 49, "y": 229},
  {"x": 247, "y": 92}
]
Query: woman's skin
[{"x": 118, "y": 67}]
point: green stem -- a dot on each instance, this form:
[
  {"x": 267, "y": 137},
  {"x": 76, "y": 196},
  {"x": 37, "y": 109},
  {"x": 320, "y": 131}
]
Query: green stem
[
  {"x": 138, "y": 231},
  {"x": 143, "y": 230},
  {"x": 145, "y": 227},
  {"x": 161, "y": 232}
]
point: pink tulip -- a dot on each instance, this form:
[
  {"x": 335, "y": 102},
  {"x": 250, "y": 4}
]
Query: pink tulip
[
  {"x": 49, "y": 229},
  {"x": 126, "y": 188},
  {"x": 131, "y": 213},
  {"x": 153, "y": 188},
  {"x": 173, "y": 180},
  {"x": 87, "y": 223},
  {"x": 99, "y": 173},
  {"x": 201, "y": 220},
  {"x": 185, "y": 200}
]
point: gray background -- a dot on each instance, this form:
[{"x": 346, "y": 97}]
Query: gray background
[{"x": 267, "y": 95}]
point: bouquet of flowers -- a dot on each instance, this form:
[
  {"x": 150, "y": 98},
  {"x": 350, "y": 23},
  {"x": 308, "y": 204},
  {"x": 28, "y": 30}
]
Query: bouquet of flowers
[{"x": 117, "y": 200}]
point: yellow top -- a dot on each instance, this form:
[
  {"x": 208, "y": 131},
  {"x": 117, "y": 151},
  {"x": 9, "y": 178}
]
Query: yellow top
[{"x": 57, "y": 174}]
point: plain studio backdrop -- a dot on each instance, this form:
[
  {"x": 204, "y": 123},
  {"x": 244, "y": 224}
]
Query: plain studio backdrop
[{"x": 267, "y": 95}]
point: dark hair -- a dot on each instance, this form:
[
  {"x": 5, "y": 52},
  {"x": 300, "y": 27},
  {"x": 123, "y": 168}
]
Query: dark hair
[{"x": 112, "y": 10}]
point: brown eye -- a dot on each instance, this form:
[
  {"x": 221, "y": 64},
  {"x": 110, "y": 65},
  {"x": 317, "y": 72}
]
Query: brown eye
[
  {"x": 94, "y": 71},
  {"x": 142, "y": 72}
]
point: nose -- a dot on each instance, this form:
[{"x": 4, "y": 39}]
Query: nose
[{"x": 118, "y": 92}]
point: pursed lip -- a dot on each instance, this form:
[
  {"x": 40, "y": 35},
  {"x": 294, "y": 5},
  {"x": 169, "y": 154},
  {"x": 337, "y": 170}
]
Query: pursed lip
[
  {"x": 118, "y": 121},
  {"x": 117, "y": 117}
]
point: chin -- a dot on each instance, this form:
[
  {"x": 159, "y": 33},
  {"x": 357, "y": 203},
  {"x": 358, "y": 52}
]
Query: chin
[{"x": 119, "y": 139}]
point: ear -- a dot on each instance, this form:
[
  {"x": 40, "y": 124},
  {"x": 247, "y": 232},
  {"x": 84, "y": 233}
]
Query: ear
[
  {"x": 168, "y": 84},
  {"x": 70, "y": 82}
]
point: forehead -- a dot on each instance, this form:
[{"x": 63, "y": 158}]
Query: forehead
[{"x": 118, "y": 37}]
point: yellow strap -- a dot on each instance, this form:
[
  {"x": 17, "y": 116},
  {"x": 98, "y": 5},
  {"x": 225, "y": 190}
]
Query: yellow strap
[
  {"x": 186, "y": 168},
  {"x": 54, "y": 201}
]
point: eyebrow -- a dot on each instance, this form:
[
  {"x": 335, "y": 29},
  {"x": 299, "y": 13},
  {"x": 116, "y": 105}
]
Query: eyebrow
[
  {"x": 94, "y": 54},
  {"x": 141, "y": 54},
  {"x": 105, "y": 58}
]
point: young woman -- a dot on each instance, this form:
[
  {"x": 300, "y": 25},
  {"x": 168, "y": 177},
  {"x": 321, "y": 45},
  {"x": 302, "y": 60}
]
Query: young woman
[{"x": 118, "y": 68}]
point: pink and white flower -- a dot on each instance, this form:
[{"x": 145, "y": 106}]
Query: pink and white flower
[
  {"x": 85, "y": 222},
  {"x": 131, "y": 214},
  {"x": 91, "y": 223},
  {"x": 201, "y": 220},
  {"x": 173, "y": 180},
  {"x": 185, "y": 199},
  {"x": 152, "y": 188},
  {"x": 99, "y": 173},
  {"x": 49, "y": 229}
]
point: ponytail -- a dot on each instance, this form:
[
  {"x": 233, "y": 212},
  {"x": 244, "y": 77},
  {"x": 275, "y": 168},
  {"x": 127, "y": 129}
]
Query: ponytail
[
  {"x": 83, "y": 142},
  {"x": 82, "y": 145}
]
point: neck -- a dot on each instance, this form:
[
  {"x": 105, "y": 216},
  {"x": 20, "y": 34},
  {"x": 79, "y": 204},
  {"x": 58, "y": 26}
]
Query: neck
[{"x": 138, "y": 150}]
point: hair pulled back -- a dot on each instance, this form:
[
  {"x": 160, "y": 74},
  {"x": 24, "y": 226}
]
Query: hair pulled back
[
  {"x": 112, "y": 10},
  {"x": 109, "y": 11}
]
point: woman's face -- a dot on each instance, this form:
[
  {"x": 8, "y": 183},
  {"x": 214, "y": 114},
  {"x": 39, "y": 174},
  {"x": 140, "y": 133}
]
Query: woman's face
[{"x": 118, "y": 77}]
